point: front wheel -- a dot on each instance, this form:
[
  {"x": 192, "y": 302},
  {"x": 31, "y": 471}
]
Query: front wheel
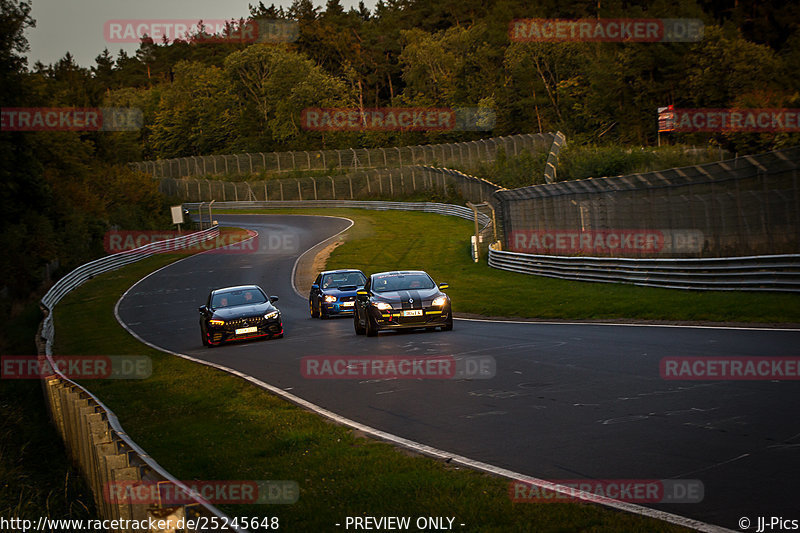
[
  {"x": 356, "y": 324},
  {"x": 449, "y": 324},
  {"x": 204, "y": 337},
  {"x": 372, "y": 327},
  {"x": 314, "y": 313}
]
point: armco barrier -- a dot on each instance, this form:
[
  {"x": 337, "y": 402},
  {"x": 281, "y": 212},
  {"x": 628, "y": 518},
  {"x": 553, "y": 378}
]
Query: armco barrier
[
  {"x": 754, "y": 273},
  {"x": 91, "y": 432},
  {"x": 426, "y": 207}
]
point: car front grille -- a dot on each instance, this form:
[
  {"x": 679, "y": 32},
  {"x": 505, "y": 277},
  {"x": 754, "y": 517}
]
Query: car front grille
[{"x": 244, "y": 322}]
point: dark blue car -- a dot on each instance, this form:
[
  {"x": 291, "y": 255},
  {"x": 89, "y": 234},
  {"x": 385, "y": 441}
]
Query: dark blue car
[{"x": 334, "y": 292}]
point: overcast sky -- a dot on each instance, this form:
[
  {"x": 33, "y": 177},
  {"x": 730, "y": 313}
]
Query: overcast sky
[{"x": 76, "y": 26}]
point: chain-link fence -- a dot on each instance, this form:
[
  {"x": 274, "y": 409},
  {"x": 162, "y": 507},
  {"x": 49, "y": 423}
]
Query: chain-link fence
[
  {"x": 352, "y": 159},
  {"x": 383, "y": 183},
  {"x": 742, "y": 206}
]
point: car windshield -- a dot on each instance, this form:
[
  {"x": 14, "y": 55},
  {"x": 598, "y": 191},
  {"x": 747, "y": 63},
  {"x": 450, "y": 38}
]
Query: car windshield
[
  {"x": 237, "y": 297},
  {"x": 402, "y": 282},
  {"x": 343, "y": 279}
]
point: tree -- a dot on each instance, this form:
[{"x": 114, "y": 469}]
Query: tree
[{"x": 272, "y": 85}]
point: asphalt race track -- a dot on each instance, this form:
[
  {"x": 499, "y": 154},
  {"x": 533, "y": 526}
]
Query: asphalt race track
[{"x": 569, "y": 401}]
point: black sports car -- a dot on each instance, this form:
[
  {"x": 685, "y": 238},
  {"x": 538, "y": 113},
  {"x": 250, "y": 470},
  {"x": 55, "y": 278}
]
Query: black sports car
[
  {"x": 334, "y": 292},
  {"x": 239, "y": 313},
  {"x": 401, "y": 299}
]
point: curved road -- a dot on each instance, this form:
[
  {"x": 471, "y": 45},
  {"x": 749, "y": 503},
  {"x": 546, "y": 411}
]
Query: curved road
[{"x": 569, "y": 401}]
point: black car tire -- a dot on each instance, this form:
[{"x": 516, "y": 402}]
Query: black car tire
[
  {"x": 371, "y": 326},
  {"x": 449, "y": 324},
  {"x": 356, "y": 324},
  {"x": 314, "y": 314},
  {"x": 322, "y": 313}
]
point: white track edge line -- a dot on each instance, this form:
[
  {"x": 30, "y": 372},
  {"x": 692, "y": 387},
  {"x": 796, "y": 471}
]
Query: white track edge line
[
  {"x": 743, "y": 328},
  {"x": 297, "y": 261}
]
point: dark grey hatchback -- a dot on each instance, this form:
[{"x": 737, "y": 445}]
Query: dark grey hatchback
[{"x": 399, "y": 300}]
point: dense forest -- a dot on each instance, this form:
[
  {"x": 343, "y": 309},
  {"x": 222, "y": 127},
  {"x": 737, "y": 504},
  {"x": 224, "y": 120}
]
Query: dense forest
[{"x": 63, "y": 190}]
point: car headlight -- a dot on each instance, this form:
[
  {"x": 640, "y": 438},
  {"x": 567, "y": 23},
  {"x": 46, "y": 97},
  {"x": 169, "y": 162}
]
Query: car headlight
[
  {"x": 440, "y": 301},
  {"x": 271, "y": 314},
  {"x": 383, "y": 306},
  {"x": 330, "y": 298},
  {"x": 215, "y": 322}
]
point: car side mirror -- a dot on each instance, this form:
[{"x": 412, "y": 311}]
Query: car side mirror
[
  {"x": 202, "y": 308},
  {"x": 273, "y": 299},
  {"x": 444, "y": 285},
  {"x": 315, "y": 287},
  {"x": 362, "y": 293}
]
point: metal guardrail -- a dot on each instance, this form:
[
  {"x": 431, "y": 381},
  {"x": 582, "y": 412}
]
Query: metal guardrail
[
  {"x": 427, "y": 207},
  {"x": 91, "y": 431},
  {"x": 753, "y": 273}
]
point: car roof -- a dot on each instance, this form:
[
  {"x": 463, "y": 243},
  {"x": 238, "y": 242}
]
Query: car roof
[
  {"x": 236, "y": 288},
  {"x": 400, "y": 272},
  {"x": 341, "y": 271}
]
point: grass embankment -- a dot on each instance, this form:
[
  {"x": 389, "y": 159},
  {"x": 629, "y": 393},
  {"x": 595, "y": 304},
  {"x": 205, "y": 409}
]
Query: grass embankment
[
  {"x": 201, "y": 423},
  {"x": 581, "y": 161},
  {"x": 387, "y": 240}
]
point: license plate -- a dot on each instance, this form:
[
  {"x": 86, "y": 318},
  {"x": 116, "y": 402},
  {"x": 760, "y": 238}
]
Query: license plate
[
  {"x": 413, "y": 312},
  {"x": 348, "y": 304},
  {"x": 242, "y": 331}
]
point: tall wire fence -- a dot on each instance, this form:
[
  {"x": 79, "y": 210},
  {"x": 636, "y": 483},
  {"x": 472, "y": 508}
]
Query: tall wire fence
[
  {"x": 353, "y": 159},
  {"x": 742, "y": 206},
  {"x": 376, "y": 183}
]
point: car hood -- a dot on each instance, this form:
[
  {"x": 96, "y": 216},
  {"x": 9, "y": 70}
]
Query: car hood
[
  {"x": 419, "y": 296},
  {"x": 227, "y": 313},
  {"x": 338, "y": 292}
]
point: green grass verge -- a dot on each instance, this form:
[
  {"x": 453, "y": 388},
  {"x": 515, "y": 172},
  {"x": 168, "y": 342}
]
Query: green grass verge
[
  {"x": 386, "y": 240},
  {"x": 201, "y": 423}
]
